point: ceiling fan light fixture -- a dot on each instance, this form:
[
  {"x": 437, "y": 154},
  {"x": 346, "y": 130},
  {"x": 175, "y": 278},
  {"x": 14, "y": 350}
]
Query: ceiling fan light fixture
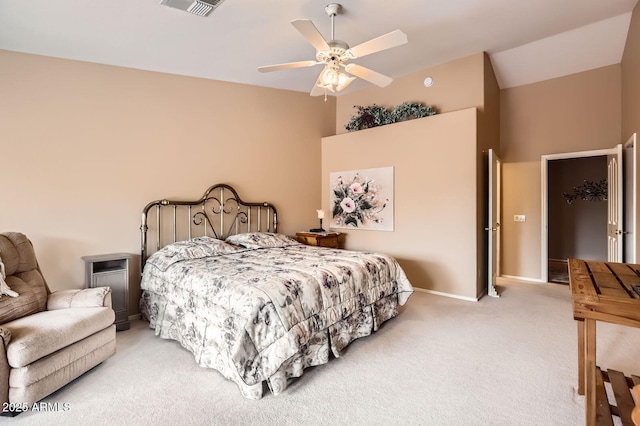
[
  {"x": 345, "y": 80},
  {"x": 335, "y": 53},
  {"x": 330, "y": 78}
]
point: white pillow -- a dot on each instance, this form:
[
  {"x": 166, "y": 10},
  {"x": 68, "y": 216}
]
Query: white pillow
[
  {"x": 195, "y": 248},
  {"x": 254, "y": 240}
]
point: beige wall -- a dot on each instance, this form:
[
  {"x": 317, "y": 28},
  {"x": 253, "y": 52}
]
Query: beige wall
[
  {"x": 434, "y": 160},
  {"x": 463, "y": 83},
  {"x": 488, "y": 138},
  {"x": 96, "y": 138},
  {"x": 578, "y": 112},
  {"x": 85, "y": 147},
  {"x": 573, "y": 113},
  {"x": 630, "y": 69},
  {"x": 457, "y": 85}
]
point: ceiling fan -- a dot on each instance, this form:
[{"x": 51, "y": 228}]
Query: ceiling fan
[{"x": 334, "y": 54}]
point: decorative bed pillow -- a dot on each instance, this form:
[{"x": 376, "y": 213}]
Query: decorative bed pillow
[
  {"x": 194, "y": 248},
  {"x": 254, "y": 240}
]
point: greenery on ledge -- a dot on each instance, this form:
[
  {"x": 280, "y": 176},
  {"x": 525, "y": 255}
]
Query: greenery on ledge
[{"x": 375, "y": 115}]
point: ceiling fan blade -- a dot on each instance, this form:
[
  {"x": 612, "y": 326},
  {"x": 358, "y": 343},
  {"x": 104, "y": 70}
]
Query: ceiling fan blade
[
  {"x": 311, "y": 33},
  {"x": 288, "y": 65},
  {"x": 317, "y": 90},
  {"x": 369, "y": 75},
  {"x": 387, "y": 41}
]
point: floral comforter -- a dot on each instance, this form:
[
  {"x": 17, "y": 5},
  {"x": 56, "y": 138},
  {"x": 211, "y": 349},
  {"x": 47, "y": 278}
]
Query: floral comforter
[{"x": 263, "y": 313}]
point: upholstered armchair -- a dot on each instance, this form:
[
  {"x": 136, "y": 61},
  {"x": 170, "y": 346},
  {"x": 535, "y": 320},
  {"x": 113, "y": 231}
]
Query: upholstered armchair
[{"x": 48, "y": 339}]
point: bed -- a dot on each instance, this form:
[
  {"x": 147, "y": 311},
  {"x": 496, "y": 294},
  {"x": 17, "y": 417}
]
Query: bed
[{"x": 253, "y": 304}]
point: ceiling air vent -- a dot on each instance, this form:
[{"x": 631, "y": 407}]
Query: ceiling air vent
[{"x": 197, "y": 7}]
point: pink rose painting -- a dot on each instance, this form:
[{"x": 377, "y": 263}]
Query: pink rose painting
[{"x": 362, "y": 199}]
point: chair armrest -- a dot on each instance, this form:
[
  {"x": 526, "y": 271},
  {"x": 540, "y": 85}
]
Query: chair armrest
[{"x": 83, "y": 298}]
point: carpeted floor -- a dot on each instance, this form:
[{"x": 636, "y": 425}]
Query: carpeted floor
[{"x": 510, "y": 360}]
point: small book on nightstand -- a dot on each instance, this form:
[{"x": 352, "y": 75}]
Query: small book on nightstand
[{"x": 323, "y": 233}]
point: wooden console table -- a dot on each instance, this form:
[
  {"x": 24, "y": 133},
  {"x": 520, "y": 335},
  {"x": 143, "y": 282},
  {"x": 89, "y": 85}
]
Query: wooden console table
[{"x": 602, "y": 291}]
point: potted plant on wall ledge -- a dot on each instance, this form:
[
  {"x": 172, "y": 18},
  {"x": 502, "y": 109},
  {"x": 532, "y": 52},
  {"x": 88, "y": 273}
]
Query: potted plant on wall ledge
[{"x": 375, "y": 115}]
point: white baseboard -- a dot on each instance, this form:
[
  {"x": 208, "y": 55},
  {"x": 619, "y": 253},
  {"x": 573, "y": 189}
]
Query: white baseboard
[
  {"x": 526, "y": 279},
  {"x": 439, "y": 293}
]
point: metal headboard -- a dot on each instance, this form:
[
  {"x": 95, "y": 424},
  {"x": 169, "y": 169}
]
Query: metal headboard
[{"x": 219, "y": 213}]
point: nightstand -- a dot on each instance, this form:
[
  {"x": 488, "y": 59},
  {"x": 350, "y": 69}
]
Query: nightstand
[
  {"x": 111, "y": 270},
  {"x": 322, "y": 239}
]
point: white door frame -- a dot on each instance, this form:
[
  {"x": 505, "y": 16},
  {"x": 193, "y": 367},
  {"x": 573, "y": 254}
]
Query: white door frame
[
  {"x": 631, "y": 200},
  {"x": 545, "y": 198},
  {"x": 494, "y": 217},
  {"x": 615, "y": 206}
]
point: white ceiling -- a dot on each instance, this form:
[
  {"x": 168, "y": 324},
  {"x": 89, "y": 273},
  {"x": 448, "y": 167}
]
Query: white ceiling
[{"x": 527, "y": 40}]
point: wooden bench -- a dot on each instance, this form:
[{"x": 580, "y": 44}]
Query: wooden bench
[
  {"x": 603, "y": 291},
  {"x": 616, "y": 398}
]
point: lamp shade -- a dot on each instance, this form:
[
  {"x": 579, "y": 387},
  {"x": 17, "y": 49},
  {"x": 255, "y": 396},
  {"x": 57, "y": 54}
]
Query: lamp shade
[
  {"x": 344, "y": 81},
  {"x": 330, "y": 78}
]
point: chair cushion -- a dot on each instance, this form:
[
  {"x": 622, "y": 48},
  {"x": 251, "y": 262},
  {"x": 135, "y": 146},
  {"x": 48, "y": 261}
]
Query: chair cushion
[
  {"x": 65, "y": 362},
  {"x": 43, "y": 333}
]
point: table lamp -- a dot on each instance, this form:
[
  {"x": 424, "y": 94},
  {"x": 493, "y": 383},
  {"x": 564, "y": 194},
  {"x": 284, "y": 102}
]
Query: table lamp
[{"x": 320, "y": 216}]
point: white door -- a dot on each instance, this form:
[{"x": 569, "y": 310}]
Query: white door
[
  {"x": 631, "y": 154},
  {"x": 493, "y": 223},
  {"x": 615, "y": 210}
]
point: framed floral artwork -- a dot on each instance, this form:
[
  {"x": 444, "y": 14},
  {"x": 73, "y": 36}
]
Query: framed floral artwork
[{"x": 362, "y": 199}]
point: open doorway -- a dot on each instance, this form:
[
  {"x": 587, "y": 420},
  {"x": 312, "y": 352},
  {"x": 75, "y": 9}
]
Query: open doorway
[
  {"x": 613, "y": 231},
  {"x": 577, "y": 213}
]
